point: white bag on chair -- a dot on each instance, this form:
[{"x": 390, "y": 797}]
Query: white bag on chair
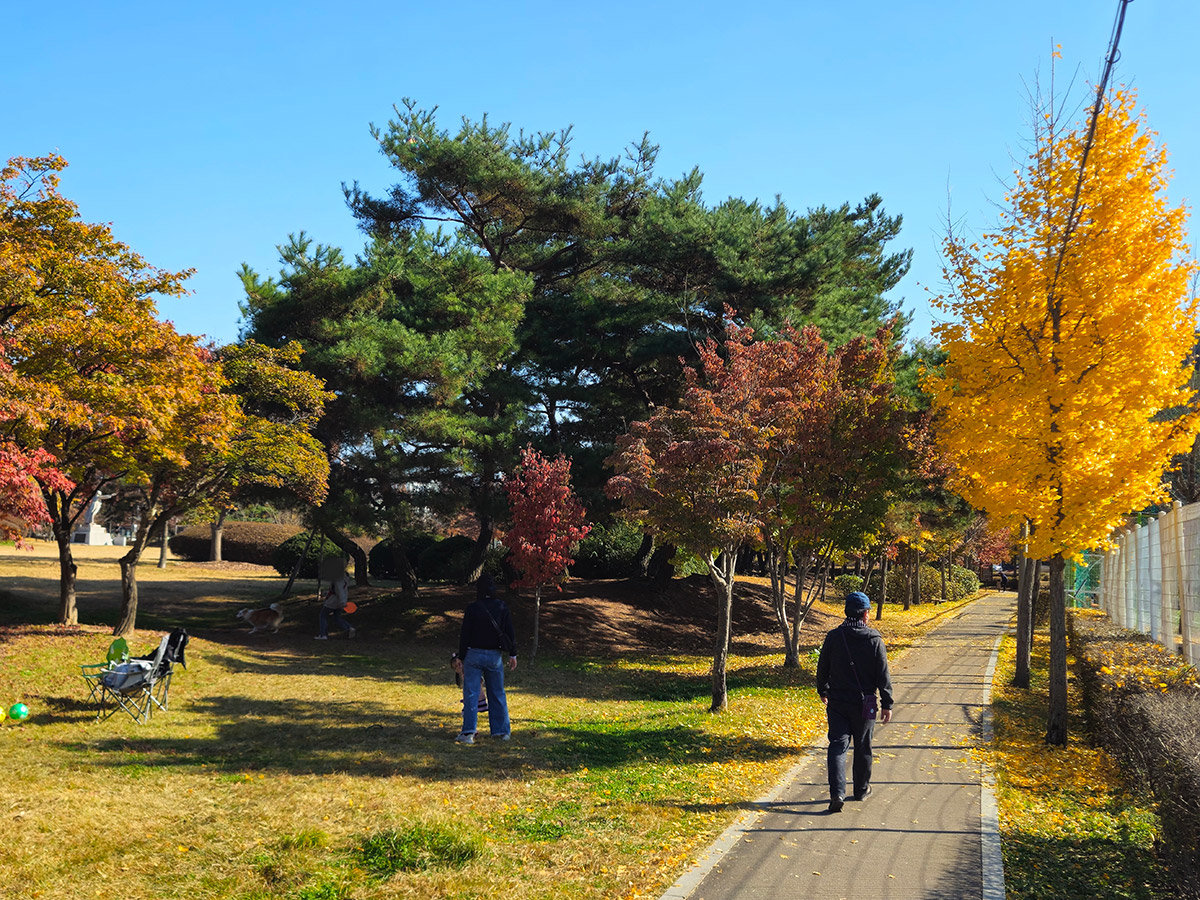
[{"x": 126, "y": 675}]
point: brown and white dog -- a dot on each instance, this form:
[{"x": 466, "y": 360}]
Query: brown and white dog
[{"x": 262, "y": 619}]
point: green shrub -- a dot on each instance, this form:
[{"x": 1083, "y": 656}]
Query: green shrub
[
  {"x": 292, "y": 549},
  {"x": 966, "y": 582},
  {"x": 847, "y": 584},
  {"x": 608, "y": 551},
  {"x": 383, "y": 560},
  {"x": 250, "y": 542},
  {"x": 417, "y": 849},
  {"x": 445, "y": 560},
  {"x": 960, "y": 583}
]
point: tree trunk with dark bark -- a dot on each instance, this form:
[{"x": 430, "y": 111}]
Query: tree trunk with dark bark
[
  {"x": 1021, "y": 673},
  {"x": 1056, "y": 725},
  {"x": 537, "y": 614},
  {"x": 721, "y": 572},
  {"x": 352, "y": 550},
  {"x": 68, "y": 611},
  {"x": 127, "y": 621},
  {"x": 642, "y": 560},
  {"x": 163, "y": 550},
  {"x": 883, "y": 587}
]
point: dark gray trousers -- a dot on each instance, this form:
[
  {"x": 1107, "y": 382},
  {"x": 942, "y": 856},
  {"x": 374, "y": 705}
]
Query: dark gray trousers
[{"x": 846, "y": 724}]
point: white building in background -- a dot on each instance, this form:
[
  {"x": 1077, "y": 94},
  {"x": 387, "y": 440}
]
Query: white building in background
[{"x": 88, "y": 530}]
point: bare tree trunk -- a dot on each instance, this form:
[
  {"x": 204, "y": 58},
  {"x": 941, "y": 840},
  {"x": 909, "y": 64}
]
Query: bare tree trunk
[
  {"x": 1021, "y": 673},
  {"x": 642, "y": 560},
  {"x": 216, "y": 548},
  {"x": 287, "y": 588},
  {"x": 68, "y": 611},
  {"x": 537, "y": 614},
  {"x": 1056, "y": 725},
  {"x": 162, "y": 552},
  {"x": 883, "y": 587},
  {"x": 945, "y": 565},
  {"x": 661, "y": 570},
  {"x": 127, "y": 621},
  {"x": 487, "y": 531},
  {"x": 408, "y": 575},
  {"x": 352, "y": 550},
  {"x": 721, "y": 573},
  {"x": 866, "y": 579},
  {"x": 777, "y": 556}
]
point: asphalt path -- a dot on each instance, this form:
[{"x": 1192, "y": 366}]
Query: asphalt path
[{"x": 928, "y": 828}]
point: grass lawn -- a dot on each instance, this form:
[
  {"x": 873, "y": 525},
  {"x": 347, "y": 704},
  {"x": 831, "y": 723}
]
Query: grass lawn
[
  {"x": 1070, "y": 826},
  {"x": 316, "y": 771}
]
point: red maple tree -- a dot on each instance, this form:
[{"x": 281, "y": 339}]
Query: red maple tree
[{"x": 547, "y": 519}]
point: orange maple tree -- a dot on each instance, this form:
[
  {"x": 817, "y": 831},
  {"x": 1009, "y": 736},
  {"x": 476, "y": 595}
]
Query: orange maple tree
[{"x": 92, "y": 373}]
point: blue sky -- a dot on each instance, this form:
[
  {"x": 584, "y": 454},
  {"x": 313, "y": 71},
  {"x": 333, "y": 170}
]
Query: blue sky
[{"x": 205, "y": 133}]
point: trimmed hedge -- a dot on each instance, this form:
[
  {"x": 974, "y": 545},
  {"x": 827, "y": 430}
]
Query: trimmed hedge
[
  {"x": 383, "y": 562},
  {"x": 286, "y": 554},
  {"x": 250, "y": 542},
  {"x": 608, "y": 551},
  {"x": 445, "y": 560},
  {"x": 1142, "y": 704}
]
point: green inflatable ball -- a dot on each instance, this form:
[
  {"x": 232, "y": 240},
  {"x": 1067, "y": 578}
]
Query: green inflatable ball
[{"x": 18, "y": 712}]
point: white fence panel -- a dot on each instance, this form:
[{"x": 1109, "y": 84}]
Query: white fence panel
[{"x": 1150, "y": 580}]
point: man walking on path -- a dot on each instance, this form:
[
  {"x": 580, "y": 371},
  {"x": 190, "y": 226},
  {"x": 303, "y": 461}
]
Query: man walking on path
[
  {"x": 929, "y": 831},
  {"x": 852, "y": 666}
]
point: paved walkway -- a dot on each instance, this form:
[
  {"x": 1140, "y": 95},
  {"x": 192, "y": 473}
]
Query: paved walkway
[{"x": 927, "y": 830}]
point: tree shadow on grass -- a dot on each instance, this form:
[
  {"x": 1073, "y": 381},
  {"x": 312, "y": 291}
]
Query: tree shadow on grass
[
  {"x": 1036, "y": 866},
  {"x": 365, "y": 738}
]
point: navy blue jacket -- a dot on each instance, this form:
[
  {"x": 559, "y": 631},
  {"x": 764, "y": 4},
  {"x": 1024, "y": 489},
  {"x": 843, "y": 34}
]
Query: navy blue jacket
[
  {"x": 835, "y": 678},
  {"x": 479, "y": 632}
]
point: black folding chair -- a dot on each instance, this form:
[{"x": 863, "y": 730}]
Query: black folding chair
[{"x": 140, "y": 684}]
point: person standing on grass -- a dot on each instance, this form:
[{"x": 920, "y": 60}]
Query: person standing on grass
[
  {"x": 487, "y": 634},
  {"x": 335, "y": 602},
  {"x": 851, "y": 667}
]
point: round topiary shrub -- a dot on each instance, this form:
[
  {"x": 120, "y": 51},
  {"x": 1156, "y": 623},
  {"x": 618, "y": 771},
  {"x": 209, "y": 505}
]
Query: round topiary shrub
[
  {"x": 249, "y": 542},
  {"x": 966, "y": 582},
  {"x": 383, "y": 560},
  {"x": 847, "y": 584},
  {"x": 608, "y": 551},
  {"x": 445, "y": 560},
  {"x": 292, "y": 549}
]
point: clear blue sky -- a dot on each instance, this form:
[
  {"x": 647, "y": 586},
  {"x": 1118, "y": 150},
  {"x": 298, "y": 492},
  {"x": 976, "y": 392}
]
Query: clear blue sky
[{"x": 206, "y": 132}]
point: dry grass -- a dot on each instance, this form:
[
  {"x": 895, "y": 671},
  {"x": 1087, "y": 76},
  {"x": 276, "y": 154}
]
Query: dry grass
[{"x": 279, "y": 755}]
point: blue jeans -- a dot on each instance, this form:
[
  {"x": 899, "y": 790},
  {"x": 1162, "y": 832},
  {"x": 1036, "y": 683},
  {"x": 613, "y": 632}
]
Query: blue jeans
[
  {"x": 335, "y": 614},
  {"x": 846, "y": 724},
  {"x": 488, "y": 664}
]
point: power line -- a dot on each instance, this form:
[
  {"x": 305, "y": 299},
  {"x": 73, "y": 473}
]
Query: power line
[{"x": 1110, "y": 61}]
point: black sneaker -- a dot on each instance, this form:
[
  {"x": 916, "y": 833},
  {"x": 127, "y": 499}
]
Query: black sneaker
[
  {"x": 864, "y": 794},
  {"x": 835, "y": 806}
]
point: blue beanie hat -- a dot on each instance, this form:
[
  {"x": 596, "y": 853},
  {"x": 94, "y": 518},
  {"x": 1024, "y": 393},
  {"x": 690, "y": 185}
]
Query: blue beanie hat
[{"x": 857, "y": 603}]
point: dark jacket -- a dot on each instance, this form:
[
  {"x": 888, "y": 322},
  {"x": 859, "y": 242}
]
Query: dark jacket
[
  {"x": 479, "y": 632},
  {"x": 835, "y": 678}
]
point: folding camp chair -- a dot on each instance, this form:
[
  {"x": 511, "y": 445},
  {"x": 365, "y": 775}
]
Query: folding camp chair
[
  {"x": 118, "y": 652},
  {"x": 140, "y": 684}
]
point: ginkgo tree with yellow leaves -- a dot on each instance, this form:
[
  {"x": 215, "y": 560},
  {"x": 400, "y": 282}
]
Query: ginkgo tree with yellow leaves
[{"x": 1065, "y": 391}]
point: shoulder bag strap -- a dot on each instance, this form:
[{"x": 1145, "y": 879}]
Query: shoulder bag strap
[
  {"x": 850, "y": 656},
  {"x": 503, "y": 637}
]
